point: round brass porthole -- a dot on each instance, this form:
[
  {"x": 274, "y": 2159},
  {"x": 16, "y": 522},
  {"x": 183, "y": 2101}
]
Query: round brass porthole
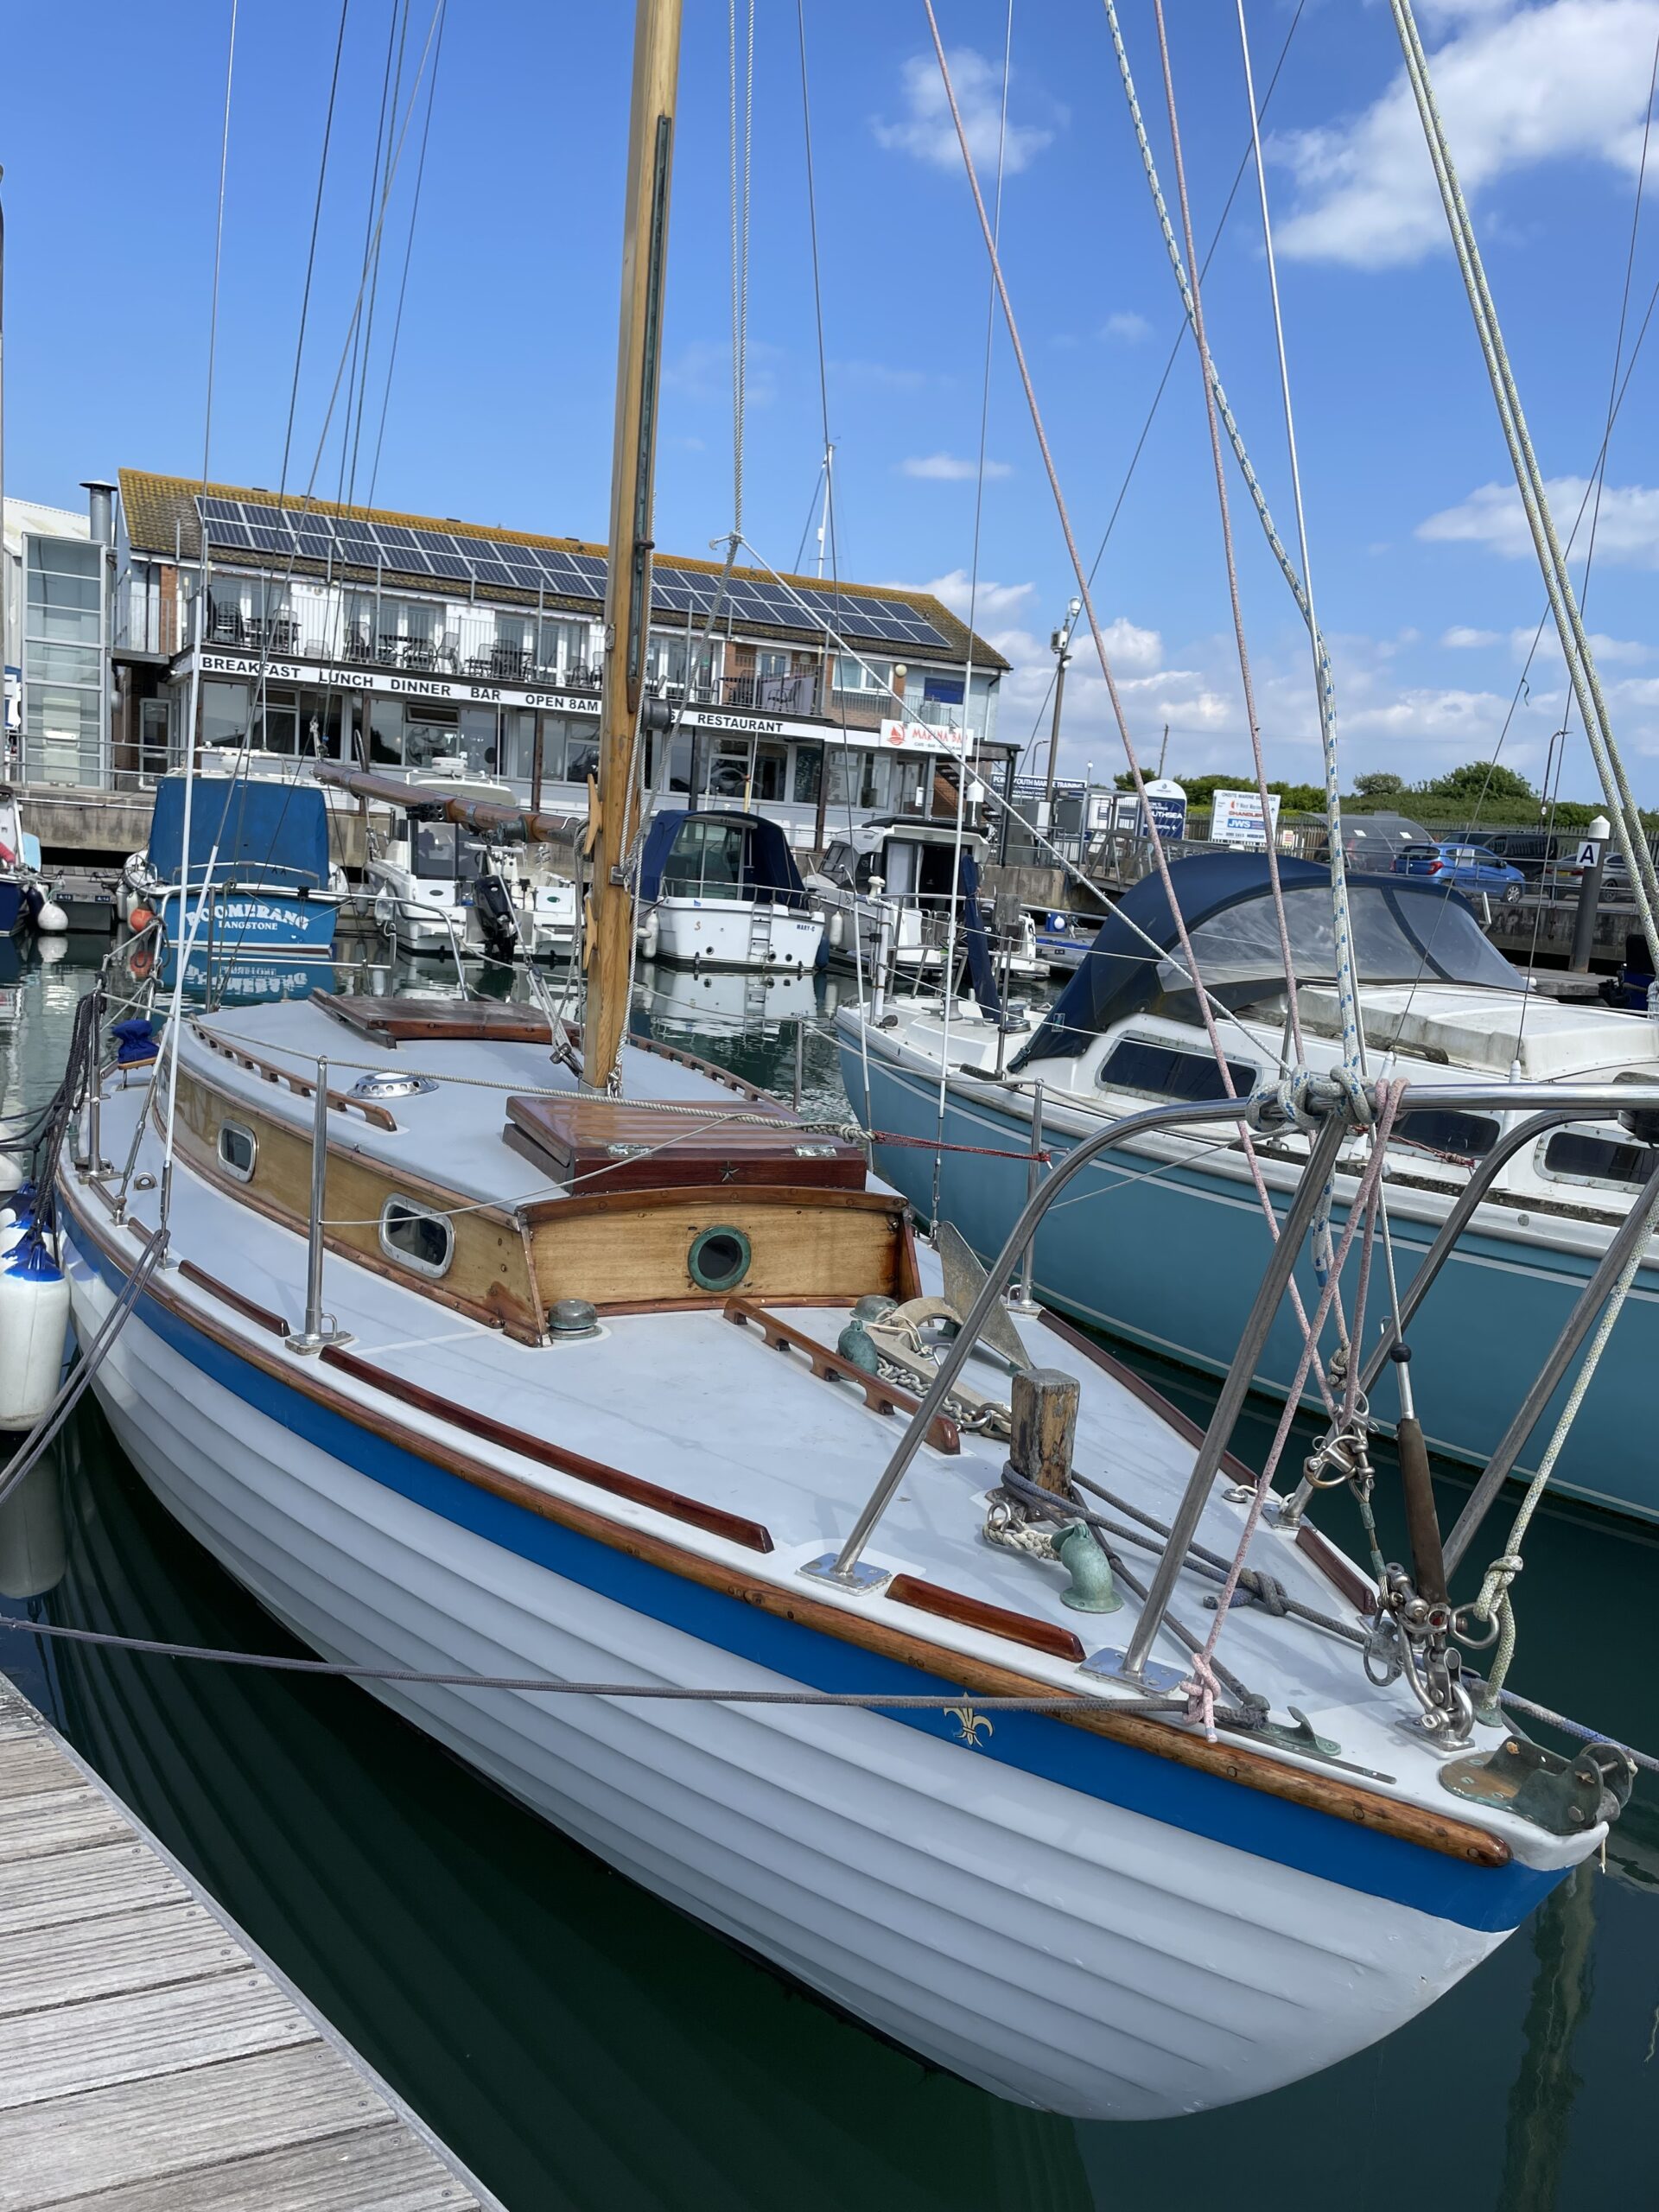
[{"x": 719, "y": 1259}]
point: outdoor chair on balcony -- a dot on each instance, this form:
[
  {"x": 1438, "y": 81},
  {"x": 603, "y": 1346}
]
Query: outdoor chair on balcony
[
  {"x": 449, "y": 651},
  {"x": 226, "y": 629},
  {"x": 420, "y": 654}
]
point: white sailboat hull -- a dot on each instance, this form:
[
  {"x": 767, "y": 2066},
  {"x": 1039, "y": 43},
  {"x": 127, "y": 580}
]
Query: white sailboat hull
[{"x": 1060, "y": 1951}]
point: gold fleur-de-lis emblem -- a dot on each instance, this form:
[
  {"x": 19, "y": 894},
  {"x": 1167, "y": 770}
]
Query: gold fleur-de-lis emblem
[{"x": 969, "y": 1722}]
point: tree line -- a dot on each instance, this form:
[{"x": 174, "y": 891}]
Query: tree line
[{"x": 1478, "y": 792}]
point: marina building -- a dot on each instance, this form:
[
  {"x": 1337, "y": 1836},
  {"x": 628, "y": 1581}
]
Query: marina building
[
  {"x": 390, "y": 640},
  {"x": 55, "y": 577}
]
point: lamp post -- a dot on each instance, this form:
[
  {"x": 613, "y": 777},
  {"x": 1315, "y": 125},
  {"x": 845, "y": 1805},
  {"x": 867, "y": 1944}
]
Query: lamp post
[{"x": 1060, "y": 645}]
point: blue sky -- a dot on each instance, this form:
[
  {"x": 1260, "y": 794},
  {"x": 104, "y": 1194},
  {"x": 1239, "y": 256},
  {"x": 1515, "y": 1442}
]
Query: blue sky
[{"x": 498, "y": 402}]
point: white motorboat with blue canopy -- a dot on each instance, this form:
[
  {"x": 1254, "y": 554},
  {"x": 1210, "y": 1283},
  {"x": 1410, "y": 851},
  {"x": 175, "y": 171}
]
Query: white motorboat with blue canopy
[
  {"x": 722, "y": 890},
  {"x": 257, "y": 877},
  {"x": 1167, "y": 1256},
  {"x": 767, "y": 1551}
]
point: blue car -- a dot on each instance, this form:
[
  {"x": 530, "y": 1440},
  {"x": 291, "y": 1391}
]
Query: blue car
[{"x": 1463, "y": 867}]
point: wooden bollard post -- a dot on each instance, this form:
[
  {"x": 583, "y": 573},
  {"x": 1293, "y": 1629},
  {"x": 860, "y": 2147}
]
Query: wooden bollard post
[{"x": 1044, "y": 1427}]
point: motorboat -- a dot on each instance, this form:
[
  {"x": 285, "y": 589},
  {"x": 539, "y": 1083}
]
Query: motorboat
[
  {"x": 896, "y": 881},
  {"x": 258, "y": 878},
  {"x": 1166, "y": 1252},
  {"x": 721, "y": 890},
  {"x": 430, "y": 879},
  {"x": 21, "y": 895}
]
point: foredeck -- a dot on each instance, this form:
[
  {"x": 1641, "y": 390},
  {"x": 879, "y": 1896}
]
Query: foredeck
[{"x": 151, "y": 2060}]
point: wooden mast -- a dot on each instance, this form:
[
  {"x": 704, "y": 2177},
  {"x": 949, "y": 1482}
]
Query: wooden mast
[{"x": 614, "y": 801}]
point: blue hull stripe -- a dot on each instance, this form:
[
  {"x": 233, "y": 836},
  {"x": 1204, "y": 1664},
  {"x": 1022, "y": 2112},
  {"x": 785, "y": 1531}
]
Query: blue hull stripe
[{"x": 1488, "y": 1898}]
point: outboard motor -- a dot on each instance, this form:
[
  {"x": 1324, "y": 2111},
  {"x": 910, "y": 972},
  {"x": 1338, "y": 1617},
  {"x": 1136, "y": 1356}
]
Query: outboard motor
[{"x": 497, "y": 917}]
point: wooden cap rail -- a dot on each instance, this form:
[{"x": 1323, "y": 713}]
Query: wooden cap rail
[
  {"x": 302, "y": 1086},
  {"x": 996, "y": 1620},
  {"x": 830, "y": 1367}
]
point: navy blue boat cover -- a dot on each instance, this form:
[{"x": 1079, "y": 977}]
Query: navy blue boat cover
[
  {"x": 1406, "y": 928},
  {"x": 768, "y": 865},
  {"x": 275, "y": 832}
]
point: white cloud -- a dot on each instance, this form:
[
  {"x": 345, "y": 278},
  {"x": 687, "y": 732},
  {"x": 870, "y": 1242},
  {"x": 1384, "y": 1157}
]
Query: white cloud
[
  {"x": 1518, "y": 85},
  {"x": 950, "y": 468},
  {"x": 1127, "y": 326},
  {"x": 1623, "y": 651},
  {"x": 928, "y": 133},
  {"x": 880, "y": 376},
  {"x": 991, "y": 602},
  {"x": 1461, "y": 637},
  {"x": 1627, "y": 525},
  {"x": 702, "y": 371}
]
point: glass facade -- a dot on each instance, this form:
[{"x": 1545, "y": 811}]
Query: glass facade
[{"x": 63, "y": 662}]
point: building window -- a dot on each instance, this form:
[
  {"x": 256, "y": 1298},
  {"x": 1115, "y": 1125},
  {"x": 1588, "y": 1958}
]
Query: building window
[
  {"x": 861, "y": 674},
  {"x": 63, "y": 661},
  {"x": 431, "y": 731},
  {"x": 224, "y": 710},
  {"x": 1166, "y": 1071},
  {"x": 386, "y": 733},
  {"x": 808, "y": 774},
  {"x": 415, "y": 1237},
  {"x": 276, "y": 724}
]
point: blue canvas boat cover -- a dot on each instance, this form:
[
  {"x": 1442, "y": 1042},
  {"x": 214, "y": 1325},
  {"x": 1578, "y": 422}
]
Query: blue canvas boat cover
[
  {"x": 767, "y": 868},
  {"x": 270, "y": 832},
  {"x": 1406, "y": 929}
]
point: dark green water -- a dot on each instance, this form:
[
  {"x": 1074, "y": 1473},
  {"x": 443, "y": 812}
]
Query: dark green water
[{"x": 581, "y": 2046}]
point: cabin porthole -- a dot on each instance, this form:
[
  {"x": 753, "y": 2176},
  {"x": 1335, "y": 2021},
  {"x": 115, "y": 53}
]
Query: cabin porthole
[
  {"x": 238, "y": 1150},
  {"x": 719, "y": 1259},
  {"x": 416, "y": 1237}
]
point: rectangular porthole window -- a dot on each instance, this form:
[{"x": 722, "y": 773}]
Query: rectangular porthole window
[
  {"x": 1576, "y": 1156},
  {"x": 1137, "y": 1063},
  {"x": 1466, "y": 1136},
  {"x": 238, "y": 1150},
  {"x": 415, "y": 1237}
]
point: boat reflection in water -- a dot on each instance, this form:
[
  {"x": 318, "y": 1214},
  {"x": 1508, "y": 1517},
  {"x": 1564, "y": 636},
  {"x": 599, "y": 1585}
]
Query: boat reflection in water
[{"x": 580, "y": 2043}]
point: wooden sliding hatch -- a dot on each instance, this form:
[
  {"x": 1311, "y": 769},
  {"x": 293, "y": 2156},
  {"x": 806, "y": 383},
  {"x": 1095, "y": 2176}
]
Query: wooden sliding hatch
[{"x": 605, "y": 1145}]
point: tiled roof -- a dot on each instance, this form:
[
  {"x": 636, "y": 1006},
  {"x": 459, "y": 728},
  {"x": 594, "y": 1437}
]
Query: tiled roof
[{"x": 160, "y": 514}]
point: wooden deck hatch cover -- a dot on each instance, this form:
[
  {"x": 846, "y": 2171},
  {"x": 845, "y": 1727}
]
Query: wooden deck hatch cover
[
  {"x": 602, "y": 1145},
  {"x": 409, "y": 1020}
]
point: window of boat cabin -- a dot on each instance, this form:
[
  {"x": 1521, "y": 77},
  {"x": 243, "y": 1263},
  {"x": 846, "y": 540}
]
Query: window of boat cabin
[
  {"x": 443, "y": 852},
  {"x": 238, "y": 1150},
  {"x": 415, "y": 1237},
  {"x": 706, "y": 862},
  {"x": 1441, "y": 1128},
  {"x": 1587, "y": 1155},
  {"x": 1170, "y": 1072}
]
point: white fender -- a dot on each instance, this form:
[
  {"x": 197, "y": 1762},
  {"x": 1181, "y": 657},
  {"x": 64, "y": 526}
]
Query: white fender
[
  {"x": 650, "y": 934},
  {"x": 51, "y": 920},
  {"x": 34, "y": 1328},
  {"x": 836, "y": 928}
]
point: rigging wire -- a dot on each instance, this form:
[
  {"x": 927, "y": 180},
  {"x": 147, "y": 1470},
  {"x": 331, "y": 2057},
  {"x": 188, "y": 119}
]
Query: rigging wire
[
  {"x": 1575, "y": 646},
  {"x": 1206, "y": 379},
  {"x": 193, "y": 712},
  {"x": 1039, "y": 723},
  {"x": 408, "y": 248},
  {"x": 1206, "y": 1006},
  {"x": 948, "y": 970},
  {"x": 831, "y": 529}
]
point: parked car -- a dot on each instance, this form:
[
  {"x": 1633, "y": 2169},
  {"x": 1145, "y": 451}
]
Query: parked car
[
  {"x": 1371, "y": 843},
  {"x": 1463, "y": 867}
]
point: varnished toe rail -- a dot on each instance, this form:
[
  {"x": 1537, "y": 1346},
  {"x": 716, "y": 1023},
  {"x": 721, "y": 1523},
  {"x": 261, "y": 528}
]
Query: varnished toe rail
[{"x": 882, "y": 1397}]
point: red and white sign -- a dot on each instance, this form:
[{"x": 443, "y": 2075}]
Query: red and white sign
[{"x": 920, "y": 737}]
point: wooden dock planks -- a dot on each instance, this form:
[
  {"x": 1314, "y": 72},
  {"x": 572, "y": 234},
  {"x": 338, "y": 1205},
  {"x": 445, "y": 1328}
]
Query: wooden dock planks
[{"x": 151, "y": 2059}]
